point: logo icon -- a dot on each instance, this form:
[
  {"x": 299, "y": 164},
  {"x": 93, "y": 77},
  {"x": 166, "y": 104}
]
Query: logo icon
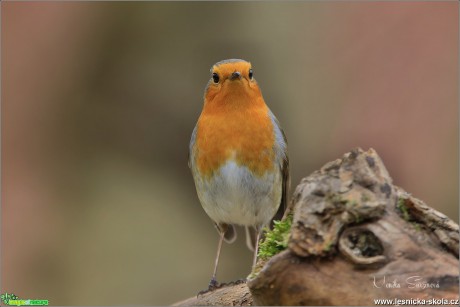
[{"x": 13, "y": 300}]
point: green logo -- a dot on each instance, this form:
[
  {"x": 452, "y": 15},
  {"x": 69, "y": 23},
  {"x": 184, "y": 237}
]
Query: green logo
[{"x": 12, "y": 300}]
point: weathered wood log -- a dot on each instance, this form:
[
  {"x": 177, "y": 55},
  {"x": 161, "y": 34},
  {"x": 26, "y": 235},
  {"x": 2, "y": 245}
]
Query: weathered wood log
[{"x": 355, "y": 238}]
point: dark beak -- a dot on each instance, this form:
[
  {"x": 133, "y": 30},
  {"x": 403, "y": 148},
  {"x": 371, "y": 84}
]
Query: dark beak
[{"x": 235, "y": 75}]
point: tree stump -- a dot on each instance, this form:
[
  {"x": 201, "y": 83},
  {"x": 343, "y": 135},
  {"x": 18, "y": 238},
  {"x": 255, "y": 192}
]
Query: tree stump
[{"x": 355, "y": 238}]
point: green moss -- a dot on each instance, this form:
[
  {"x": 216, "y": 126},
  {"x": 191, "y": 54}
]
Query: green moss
[
  {"x": 358, "y": 219},
  {"x": 328, "y": 246},
  {"x": 276, "y": 240},
  {"x": 401, "y": 205},
  {"x": 365, "y": 197},
  {"x": 336, "y": 199},
  {"x": 353, "y": 203}
]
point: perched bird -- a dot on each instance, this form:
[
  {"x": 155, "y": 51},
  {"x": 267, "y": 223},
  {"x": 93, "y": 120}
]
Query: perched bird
[{"x": 238, "y": 156}]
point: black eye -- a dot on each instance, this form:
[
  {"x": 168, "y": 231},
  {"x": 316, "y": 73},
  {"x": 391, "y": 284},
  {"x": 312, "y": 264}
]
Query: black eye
[
  {"x": 215, "y": 78},
  {"x": 250, "y": 74}
]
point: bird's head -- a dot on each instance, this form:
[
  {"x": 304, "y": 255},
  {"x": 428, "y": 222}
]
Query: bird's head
[{"x": 232, "y": 81}]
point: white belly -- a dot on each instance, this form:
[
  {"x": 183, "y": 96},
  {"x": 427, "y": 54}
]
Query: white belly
[{"x": 235, "y": 196}]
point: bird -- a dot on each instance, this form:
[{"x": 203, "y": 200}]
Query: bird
[{"x": 238, "y": 157}]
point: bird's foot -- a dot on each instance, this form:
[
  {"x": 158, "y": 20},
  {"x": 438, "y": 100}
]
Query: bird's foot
[
  {"x": 236, "y": 282},
  {"x": 213, "y": 285}
]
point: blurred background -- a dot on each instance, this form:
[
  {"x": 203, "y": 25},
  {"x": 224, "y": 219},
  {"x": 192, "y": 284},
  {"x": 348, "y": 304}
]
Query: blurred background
[{"x": 99, "y": 101}]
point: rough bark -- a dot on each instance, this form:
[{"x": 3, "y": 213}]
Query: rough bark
[
  {"x": 232, "y": 294},
  {"x": 355, "y": 237}
]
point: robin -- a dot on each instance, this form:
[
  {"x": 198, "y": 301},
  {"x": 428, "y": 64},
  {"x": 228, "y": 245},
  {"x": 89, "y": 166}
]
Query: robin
[{"x": 238, "y": 156}]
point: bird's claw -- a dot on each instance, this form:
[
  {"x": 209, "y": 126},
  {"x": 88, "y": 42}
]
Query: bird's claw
[{"x": 213, "y": 285}]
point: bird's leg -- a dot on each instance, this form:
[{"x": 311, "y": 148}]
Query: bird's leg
[
  {"x": 213, "y": 283},
  {"x": 256, "y": 248}
]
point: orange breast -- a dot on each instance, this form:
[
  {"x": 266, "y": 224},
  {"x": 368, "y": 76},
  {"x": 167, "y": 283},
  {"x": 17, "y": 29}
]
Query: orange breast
[{"x": 244, "y": 135}]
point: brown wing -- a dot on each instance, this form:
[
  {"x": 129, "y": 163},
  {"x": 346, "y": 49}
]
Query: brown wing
[{"x": 286, "y": 184}]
